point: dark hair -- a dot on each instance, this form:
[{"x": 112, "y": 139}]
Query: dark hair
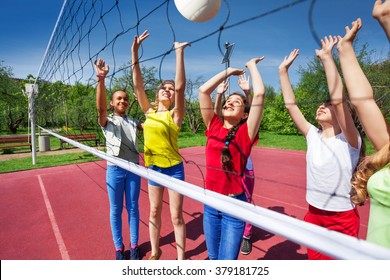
[
  {"x": 119, "y": 90},
  {"x": 227, "y": 163},
  {"x": 112, "y": 95},
  {"x": 247, "y": 106},
  {"x": 357, "y": 124},
  {"x": 172, "y": 82}
]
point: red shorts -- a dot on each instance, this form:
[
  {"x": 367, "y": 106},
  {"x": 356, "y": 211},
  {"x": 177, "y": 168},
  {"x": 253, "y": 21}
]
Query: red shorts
[{"x": 347, "y": 222}]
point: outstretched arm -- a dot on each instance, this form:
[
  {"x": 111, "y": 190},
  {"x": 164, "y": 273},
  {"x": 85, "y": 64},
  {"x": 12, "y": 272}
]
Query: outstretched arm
[
  {"x": 180, "y": 84},
  {"x": 205, "y": 102},
  {"x": 360, "y": 90},
  {"x": 288, "y": 94},
  {"x": 381, "y": 12},
  {"x": 336, "y": 91},
  {"x": 101, "y": 70},
  {"x": 137, "y": 75},
  {"x": 257, "y": 104}
]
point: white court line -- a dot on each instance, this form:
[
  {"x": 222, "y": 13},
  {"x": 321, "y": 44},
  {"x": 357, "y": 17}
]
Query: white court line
[
  {"x": 281, "y": 202},
  {"x": 54, "y": 226}
]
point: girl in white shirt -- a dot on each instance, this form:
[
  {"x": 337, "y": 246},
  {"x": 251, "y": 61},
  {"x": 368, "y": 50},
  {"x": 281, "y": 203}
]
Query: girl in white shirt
[{"x": 332, "y": 151}]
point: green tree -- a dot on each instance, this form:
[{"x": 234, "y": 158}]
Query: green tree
[
  {"x": 13, "y": 103},
  {"x": 312, "y": 89},
  {"x": 82, "y": 107},
  {"x": 50, "y": 104},
  {"x": 276, "y": 117},
  {"x": 193, "y": 118},
  {"x": 378, "y": 73}
]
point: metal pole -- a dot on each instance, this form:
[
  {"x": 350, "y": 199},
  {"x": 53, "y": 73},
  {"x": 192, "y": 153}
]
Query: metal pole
[
  {"x": 32, "y": 117},
  {"x": 26, "y": 94},
  {"x": 31, "y": 90},
  {"x": 227, "y": 45},
  {"x": 228, "y": 58}
]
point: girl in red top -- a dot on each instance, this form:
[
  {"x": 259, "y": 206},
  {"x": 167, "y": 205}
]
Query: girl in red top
[{"x": 229, "y": 142}]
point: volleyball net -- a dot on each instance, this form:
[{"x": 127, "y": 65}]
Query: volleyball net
[{"x": 63, "y": 96}]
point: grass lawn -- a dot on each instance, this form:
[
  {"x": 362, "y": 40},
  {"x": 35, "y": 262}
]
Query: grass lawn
[
  {"x": 186, "y": 139},
  {"x": 45, "y": 161}
]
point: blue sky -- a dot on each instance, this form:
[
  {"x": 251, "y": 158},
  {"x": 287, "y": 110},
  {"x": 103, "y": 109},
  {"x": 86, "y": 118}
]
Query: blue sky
[{"x": 28, "y": 25}]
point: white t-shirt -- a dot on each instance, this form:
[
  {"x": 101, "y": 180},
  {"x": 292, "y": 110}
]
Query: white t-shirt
[{"x": 330, "y": 163}]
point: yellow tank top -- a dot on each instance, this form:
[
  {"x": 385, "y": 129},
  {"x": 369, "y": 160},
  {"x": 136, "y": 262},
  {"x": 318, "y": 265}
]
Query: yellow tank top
[{"x": 161, "y": 135}]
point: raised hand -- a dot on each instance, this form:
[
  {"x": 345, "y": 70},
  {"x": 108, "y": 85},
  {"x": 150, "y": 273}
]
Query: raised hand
[
  {"x": 381, "y": 10},
  {"x": 101, "y": 68},
  {"x": 139, "y": 39},
  {"x": 178, "y": 45},
  {"x": 254, "y": 60},
  {"x": 222, "y": 87},
  {"x": 288, "y": 60},
  {"x": 350, "y": 34},
  {"x": 235, "y": 71},
  {"x": 327, "y": 46},
  {"x": 243, "y": 82}
]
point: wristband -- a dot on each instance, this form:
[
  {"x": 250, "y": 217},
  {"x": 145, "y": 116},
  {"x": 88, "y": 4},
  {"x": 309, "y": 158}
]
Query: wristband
[{"x": 101, "y": 76}]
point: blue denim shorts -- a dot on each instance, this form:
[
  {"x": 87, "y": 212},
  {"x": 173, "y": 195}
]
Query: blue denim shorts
[{"x": 176, "y": 171}]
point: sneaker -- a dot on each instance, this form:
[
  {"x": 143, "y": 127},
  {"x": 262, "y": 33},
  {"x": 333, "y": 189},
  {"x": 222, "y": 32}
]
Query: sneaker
[
  {"x": 156, "y": 256},
  {"x": 119, "y": 254},
  {"x": 246, "y": 246},
  {"x": 134, "y": 253}
]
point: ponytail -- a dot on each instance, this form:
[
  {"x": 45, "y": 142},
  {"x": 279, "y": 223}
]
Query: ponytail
[{"x": 227, "y": 163}]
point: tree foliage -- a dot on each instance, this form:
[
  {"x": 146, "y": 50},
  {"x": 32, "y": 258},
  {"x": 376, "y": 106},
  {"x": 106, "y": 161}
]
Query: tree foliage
[
  {"x": 192, "y": 118},
  {"x": 13, "y": 103},
  {"x": 312, "y": 89}
]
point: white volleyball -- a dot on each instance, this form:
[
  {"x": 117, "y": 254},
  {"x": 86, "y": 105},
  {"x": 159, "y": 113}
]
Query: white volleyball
[{"x": 198, "y": 10}]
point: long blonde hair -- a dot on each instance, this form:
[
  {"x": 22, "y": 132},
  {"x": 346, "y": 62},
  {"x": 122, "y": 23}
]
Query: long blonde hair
[{"x": 366, "y": 168}]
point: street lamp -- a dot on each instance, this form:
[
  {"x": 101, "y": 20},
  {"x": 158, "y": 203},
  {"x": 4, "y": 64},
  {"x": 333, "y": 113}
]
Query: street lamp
[
  {"x": 31, "y": 90},
  {"x": 226, "y": 58}
]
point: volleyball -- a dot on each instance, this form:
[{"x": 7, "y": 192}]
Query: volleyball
[{"x": 198, "y": 10}]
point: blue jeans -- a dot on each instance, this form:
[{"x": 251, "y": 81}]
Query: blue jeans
[
  {"x": 223, "y": 233},
  {"x": 122, "y": 183},
  {"x": 176, "y": 171}
]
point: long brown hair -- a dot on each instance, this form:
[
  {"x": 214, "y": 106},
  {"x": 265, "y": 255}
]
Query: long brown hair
[{"x": 365, "y": 170}]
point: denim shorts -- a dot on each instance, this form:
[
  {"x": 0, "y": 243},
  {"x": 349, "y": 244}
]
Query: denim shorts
[{"x": 176, "y": 171}]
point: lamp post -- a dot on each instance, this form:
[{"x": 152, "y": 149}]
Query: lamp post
[
  {"x": 226, "y": 58},
  {"x": 31, "y": 90}
]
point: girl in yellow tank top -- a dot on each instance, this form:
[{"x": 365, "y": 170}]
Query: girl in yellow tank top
[
  {"x": 161, "y": 135},
  {"x": 161, "y": 130}
]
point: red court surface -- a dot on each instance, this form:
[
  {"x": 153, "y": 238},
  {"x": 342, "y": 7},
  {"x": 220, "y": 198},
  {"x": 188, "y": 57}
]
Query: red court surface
[{"x": 63, "y": 212}]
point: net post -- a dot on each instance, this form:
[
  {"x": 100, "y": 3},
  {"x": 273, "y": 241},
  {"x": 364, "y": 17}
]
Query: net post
[{"x": 31, "y": 90}]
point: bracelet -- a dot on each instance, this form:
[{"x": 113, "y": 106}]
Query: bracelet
[{"x": 101, "y": 76}]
